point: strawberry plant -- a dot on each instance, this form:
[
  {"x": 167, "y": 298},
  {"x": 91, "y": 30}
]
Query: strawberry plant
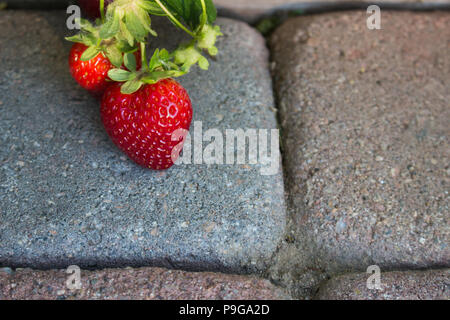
[{"x": 142, "y": 105}]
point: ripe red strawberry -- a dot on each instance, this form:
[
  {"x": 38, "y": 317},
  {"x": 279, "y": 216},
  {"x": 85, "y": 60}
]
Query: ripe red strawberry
[
  {"x": 92, "y": 75},
  {"x": 91, "y": 8},
  {"x": 141, "y": 124}
]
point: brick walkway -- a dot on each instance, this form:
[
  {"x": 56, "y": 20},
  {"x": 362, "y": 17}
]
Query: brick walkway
[{"x": 365, "y": 143}]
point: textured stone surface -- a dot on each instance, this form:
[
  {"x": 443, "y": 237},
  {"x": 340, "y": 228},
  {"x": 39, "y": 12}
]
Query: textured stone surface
[
  {"x": 366, "y": 140},
  {"x": 253, "y": 10},
  {"x": 261, "y": 6},
  {"x": 256, "y": 5},
  {"x": 419, "y": 285},
  {"x": 135, "y": 284},
  {"x": 37, "y": 4},
  {"x": 69, "y": 196}
]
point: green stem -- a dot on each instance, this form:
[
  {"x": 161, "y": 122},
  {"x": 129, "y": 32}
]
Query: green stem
[
  {"x": 144, "y": 56},
  {"x": 204, "y": 15},
  {"x": 102, "y": 10},
  {"x": 171, "y": 17}
]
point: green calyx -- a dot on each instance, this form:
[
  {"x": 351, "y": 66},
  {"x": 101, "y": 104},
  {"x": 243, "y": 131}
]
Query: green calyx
[
  {"x": 161, "y": 66},
  {"x": 113, "y": 48},
  {"x": 126, "y": 26},
  {"x": 129, "y": 20},
  {"x": 208, "y": 37},
  {"x": 190, "y": 54}
]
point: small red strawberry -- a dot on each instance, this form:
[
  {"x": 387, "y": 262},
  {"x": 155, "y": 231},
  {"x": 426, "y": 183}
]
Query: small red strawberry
[
  {"x": 92, "y": 75},
  {"x": 141, "y": 124},
  {"x": 91, "y": 8}
]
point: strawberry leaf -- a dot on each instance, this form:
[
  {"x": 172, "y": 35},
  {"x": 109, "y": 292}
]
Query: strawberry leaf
[
  {"x": 207, "y": 38},
  {"x": 111, "y": 26},
  {"x": 125, "y": 34},
  {"x": 188, "y": 56},
  {"x": 203, "y": 63},
  {"x": 114, "y": 55},
  {"x": 129, "y": 20},
  {"x": 120, "y": 75},
  {"x": 152, "y": 8},
  {"x": 124, "y": 46},
  {"x": 191, "y": 11},
  {"x": 135, "y": 26},
  {"x": 85, "y": 24},
  {"x": 131, "y": 86},
  {"x": 155, "y": 76},
  {"x": 130, "y": 61},
  {"x": 88, "y": 34},
  {"x": 90, "y": 53},
  {"x": 161, "y": 59},
  {"x": 76, "y": 38}
]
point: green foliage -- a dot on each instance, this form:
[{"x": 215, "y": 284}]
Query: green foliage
[
  {"x": 120, "y": 75},
  {"x": 268, "y": 25},
  {"x": 191, "y": 11},
  {"x": 126, "y": 27},
  {"x": 129, "y": 60}
]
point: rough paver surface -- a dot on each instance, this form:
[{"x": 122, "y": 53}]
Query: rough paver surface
[
  {"x": 235, "y": 4},
  {"x": 249, "y": 10},
  {"x": 69, "y": 196},
  {"x": 365, "y": 116},
  {"x": 261, "y": 6},
  {"x": 36, "y": 4},
  {"x": 253, "y": 10},
  {"x": 134, "y": 284},
  {"x": 409, "y": 285}
]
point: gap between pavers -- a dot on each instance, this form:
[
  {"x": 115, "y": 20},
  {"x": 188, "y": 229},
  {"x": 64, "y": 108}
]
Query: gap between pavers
[{"x": 69, "y": 196}]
